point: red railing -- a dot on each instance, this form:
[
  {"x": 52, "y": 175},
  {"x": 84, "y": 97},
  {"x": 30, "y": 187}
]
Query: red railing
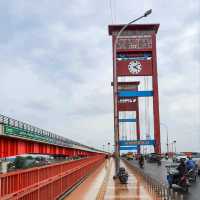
[
  {"x": 46, "y": 182},
  {"x": 11, "y": 146}
]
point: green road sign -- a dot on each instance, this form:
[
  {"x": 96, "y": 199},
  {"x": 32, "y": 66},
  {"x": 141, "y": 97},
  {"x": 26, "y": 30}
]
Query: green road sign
[{"x": 13, "y": 131}]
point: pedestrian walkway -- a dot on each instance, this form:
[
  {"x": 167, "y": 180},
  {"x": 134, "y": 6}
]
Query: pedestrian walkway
[
  {"x": 101, "y": 186},
  {"x": 133, "y": 190}
]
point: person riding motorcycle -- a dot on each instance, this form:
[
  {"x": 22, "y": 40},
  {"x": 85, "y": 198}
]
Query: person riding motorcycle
[
  {"x": 166, "y": 156},
  {"x": 192, "y": 168},
  {"x": 181, "y": 168},
  {"x": 141, "y": 161},
  {"x": 190, "y": 164},
  {"x": 180, "y": 177}
]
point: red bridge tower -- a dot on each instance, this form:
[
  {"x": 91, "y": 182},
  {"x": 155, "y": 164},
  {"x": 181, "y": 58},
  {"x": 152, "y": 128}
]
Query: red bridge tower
[{"x": 134, "y": 54}]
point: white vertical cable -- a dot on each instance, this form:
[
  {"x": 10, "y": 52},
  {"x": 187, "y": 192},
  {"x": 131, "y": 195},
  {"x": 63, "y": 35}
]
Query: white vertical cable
[
  {"x": 111, "y": 11},
  {"x": 114, "y": 10}
]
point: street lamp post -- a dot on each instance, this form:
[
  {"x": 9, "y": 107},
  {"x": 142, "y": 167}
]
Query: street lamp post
[
  {"x": 174, "y": 146},
  {"x": 113, "y": 148},
  {"x": 116, "y": 131},
  {"x": 103, "y": 147},
  {"x": 166, "y": 127},
  {"x": 108, "y": 147}
]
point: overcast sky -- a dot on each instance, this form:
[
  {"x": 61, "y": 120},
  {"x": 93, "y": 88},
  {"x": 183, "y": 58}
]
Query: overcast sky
[{"x": 56, "y": 65}]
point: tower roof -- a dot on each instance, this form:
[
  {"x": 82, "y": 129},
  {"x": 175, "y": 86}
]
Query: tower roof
[{"x": 135, "y": 27}]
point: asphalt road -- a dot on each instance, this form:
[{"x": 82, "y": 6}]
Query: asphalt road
[{"x": 160, "y": 173}]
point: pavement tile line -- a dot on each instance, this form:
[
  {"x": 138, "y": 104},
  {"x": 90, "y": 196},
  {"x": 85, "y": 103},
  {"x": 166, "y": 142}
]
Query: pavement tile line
[
  {"x": 102, "y": 190},
  {"x": 153, "y": 191},
  {"x": 143, "y": 188},
  {"x": 159, "y": 189},
  {"x": 114, "y": 190}
]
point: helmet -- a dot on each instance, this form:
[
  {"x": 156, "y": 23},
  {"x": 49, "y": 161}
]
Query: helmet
[{"x": 182, "y": 160}]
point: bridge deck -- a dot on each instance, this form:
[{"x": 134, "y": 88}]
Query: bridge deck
[{"x": 100, "y": 185}]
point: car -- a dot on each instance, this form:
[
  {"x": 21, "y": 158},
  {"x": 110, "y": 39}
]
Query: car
[
  {"x": 154, "y": 157},
  {"x": 129, "y": 156},
  {"x": 180, "y": 157}
]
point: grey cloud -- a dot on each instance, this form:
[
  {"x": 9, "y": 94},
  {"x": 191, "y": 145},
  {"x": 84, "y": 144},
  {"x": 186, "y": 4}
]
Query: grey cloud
[
  {"x": 56, "y": 65},
  {"x": 38, "y": 106}
]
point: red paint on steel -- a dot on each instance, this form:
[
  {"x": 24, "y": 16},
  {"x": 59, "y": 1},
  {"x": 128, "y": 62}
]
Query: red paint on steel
[
  {"x": 136, "y": 40},
  {"x": 127, "y": 106},
  {"x": 133, "y": 27},
  {"x": 13, "y": 146},
  {"x": 156, "y": 98},
  {"x": 46, "y": 182}
]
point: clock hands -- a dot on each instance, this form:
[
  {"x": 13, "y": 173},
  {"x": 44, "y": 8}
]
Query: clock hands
[{"x": 135, "y": 67}]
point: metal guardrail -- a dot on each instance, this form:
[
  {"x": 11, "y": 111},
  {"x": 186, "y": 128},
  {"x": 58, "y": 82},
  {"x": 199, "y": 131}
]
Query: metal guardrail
[
  {"x": 41, "y": 135},
  {"x": 47, "y": 182},
  {"x": 158, "y": 190}
]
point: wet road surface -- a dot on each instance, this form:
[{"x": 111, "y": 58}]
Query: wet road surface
[
  {"x": 159, "y": 173},
  {"x": 133, "y": 190},
  {"x": 100, "y": 185}
]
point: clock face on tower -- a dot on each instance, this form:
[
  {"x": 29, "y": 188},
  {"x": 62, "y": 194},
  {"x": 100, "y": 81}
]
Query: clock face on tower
[{"x": 134, "y": 67}]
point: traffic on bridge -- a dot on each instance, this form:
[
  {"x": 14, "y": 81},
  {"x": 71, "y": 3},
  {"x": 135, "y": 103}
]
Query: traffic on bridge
[{"x": 124, "y": 127}]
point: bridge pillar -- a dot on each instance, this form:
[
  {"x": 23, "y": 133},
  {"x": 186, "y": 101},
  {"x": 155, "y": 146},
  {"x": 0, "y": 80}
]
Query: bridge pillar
[
  {"x": 129, "y": 104},
  {"x": 134, "y": 56}
]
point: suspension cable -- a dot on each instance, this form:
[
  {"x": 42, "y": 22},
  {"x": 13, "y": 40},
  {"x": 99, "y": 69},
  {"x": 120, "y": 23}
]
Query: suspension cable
[{"x": 111, "y": 11}]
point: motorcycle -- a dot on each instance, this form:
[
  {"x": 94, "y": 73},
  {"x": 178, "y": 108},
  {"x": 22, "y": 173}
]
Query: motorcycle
[
  {"x": 159, "y": 162},
  {"x": 141, "y": 163},
  {"x": 123, "y": 175},
  {"x": 192, "y": 175},
  {"x": 174, "y": 178}
]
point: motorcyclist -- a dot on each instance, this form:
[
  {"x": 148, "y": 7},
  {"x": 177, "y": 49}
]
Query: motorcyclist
[
  {"x": 181, "y": 168},
  {"x": 198, "y": 167},
  {"x": 141, "y": 160},
  {"x": 158, "y": 159},
  {"x": 190, "y": 164},
  {"x": 179, "y": 178}
]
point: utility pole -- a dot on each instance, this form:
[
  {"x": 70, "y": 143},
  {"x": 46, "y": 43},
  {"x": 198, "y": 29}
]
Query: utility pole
[
  {"x": 167, "y": 134},
  {"x": 174, "y": 146}
]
